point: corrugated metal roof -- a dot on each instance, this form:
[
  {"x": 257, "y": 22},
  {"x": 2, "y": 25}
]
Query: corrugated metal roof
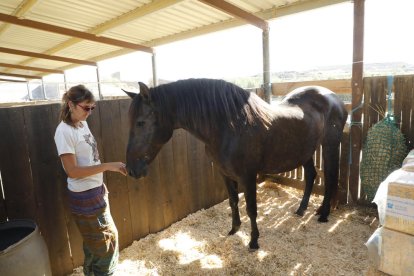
[{"x": 144, "y": 22}]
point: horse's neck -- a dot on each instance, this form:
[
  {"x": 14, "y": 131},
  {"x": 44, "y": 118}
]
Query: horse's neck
[
  {"x": 204, "y": 135},
  {"x": 198, "y": 128}
]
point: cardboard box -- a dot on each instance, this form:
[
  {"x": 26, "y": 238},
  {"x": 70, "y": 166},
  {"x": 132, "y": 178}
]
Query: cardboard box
[
  {"x": 399, "y": 213},
  {"x": 391, "y": 252}
]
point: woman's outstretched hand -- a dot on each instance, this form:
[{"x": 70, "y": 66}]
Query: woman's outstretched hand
[{"x": 117, "y": 167}]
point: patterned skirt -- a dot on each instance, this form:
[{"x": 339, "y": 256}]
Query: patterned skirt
[{"x": 92, "y": 215}]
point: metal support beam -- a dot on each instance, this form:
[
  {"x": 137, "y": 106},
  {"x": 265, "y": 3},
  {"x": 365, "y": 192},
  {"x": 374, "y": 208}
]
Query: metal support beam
[
  {"x": 11, "y": 80},
  {"x": 30, "y": 68},
  {"x": 357, "y": 93},
  {"x": 237, "y": 12},
  {"x": 21, "y": 10},
  {"x": 266, "y": 67},
  {"x": 73, "y": 33},
  {"x": 43, "y": 89},
  {"x": 154, "y": 70},
  {"x": 28, "y": 91},
  {"x": 20, "y": 75},
  {"x": 38, "y": 55},
  {"x": 141, "y": 11},
  {"x": 65, "y": 80},
  {"x": 98, "y": 79},
  {"x": 138, "y": 12}
]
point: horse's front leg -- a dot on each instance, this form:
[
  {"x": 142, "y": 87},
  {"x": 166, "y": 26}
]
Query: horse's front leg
[
  {"x": 251, "y": 207},
  {"x": 232, "y": 191}
]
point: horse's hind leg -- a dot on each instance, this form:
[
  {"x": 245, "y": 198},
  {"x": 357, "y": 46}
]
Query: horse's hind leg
[
  {"x": 331, "y": 172},
  {"x": 232, "y": 191},
  {"x": 310, "y": 174}
]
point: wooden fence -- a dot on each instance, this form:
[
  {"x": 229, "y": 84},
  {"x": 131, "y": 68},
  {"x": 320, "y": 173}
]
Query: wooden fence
[
  {"x": 376, "y": 103},
  {"x": 180, "y": 181}
]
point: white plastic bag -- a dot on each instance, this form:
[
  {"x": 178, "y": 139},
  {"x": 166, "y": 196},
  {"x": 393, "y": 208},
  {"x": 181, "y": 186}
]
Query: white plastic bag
[{"x": 408, "y": 163}]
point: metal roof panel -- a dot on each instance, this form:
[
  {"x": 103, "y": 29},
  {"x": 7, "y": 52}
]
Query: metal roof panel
[{"x": 145, "y": 22}]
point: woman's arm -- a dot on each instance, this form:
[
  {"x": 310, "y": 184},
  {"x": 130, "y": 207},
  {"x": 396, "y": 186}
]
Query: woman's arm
[{"x": 74, "y": 171}]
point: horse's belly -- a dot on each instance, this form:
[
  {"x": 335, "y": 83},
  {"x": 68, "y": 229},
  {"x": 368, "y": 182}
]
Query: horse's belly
[
  {"x": 287, "y": 160},
  {"x": 280, "y": 167},
  {"x": 292, "y": 143}
]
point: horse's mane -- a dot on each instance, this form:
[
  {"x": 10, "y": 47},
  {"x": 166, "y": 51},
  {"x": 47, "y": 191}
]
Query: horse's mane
[{"x": 200, "y": 103}]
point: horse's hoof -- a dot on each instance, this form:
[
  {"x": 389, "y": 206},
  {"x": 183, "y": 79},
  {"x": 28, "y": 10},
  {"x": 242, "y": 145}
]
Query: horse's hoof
[
  {"x": 253, "y": 246},
  {"x": 234, "y": 230},
  {"x": 300, "y": 212},
  {"x": 323, "y": 219},
  {"x": 318, "y": 211}
]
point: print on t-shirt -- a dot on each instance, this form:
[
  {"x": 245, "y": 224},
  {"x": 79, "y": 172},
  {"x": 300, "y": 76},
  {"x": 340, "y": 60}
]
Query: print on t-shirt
[{"x": 91, "y": 142}]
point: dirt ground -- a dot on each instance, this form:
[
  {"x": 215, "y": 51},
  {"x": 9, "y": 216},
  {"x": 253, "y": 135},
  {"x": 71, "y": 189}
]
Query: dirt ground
[{"x": 289, "y": 245}]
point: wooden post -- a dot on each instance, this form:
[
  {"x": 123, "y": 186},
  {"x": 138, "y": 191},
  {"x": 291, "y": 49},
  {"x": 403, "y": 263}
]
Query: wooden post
[
  {"x": 357, "y": 93},
  {"x": 266, "y": 66},
  {"x": 28, "y": 91},
  {"x": 65, "y": 80},
  {"x": 154, "y": 69},
  {"x": 98, "y": 80},
  {"x": 43, "y": 89}
]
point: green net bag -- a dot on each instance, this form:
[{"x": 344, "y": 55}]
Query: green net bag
[{"x": 383, "y": 152}]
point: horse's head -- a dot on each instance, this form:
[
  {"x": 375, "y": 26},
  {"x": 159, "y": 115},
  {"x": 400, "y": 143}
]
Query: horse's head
[{"x": 147, "y": 133}]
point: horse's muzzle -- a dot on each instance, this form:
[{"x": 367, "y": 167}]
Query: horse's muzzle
[{"x": 137, "y": 168}]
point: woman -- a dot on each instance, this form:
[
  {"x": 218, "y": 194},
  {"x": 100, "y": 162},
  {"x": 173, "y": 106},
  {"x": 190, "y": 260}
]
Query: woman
[{"x": 88, "y": 196}]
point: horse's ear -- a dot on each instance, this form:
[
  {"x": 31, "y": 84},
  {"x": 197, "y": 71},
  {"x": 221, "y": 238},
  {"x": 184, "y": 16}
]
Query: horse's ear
[
  {"x": 144, "y": 90},
  {"x": 130, "y": 94}
]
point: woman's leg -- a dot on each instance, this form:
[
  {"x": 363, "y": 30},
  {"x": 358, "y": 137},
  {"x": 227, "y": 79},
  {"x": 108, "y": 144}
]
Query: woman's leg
[{"x": 100, "y": 238}]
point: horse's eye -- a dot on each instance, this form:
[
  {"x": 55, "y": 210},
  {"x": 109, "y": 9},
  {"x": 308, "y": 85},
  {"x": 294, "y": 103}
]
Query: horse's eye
[{"x": 140, "y": 123}]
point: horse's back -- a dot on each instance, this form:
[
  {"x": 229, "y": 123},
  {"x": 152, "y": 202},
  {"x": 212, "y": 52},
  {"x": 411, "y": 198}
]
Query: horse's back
[
  {"x": 304, "y": 89},
  {"x": 319, "y": 99},
  {"x": 307, "y": 94},
  {"x": 320, "y": 102}
]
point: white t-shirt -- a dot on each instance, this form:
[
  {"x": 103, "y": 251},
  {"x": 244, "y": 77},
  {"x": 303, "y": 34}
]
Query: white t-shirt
[{"x": 80, "y": 142}]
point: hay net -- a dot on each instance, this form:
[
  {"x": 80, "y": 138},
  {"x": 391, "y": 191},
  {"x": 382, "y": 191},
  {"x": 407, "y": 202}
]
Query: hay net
[{"x": 383, "y": 152}]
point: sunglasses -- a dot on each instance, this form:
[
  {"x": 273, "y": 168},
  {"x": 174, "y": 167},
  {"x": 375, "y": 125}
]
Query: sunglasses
[{"x": 87, "y": 108}]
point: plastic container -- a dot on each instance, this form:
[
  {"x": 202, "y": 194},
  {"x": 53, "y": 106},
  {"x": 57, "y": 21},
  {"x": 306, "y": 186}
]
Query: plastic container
[{"x": 23, "y": 250}]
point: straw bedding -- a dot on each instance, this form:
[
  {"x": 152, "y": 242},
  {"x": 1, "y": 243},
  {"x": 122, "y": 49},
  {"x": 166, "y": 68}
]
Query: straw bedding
[{"x": 289, "y": 245}]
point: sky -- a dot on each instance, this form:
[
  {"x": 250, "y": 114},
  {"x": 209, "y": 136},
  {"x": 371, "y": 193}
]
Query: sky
[{"x": 321, "y": 37}]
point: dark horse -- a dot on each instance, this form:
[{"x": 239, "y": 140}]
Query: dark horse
[{"x": 243, "y": 134}]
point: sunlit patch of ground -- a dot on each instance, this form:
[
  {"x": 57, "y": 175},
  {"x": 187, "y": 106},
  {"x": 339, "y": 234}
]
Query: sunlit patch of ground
[{"x": 289, "y": 245}]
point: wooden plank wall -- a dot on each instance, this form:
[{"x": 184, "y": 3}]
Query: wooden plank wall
[
  {"x": 339, "y": 86},
  {"x": 181, "y": 179},
  {"x": 404, "y": 107},
  {"x": 342, "y": 86},
  {"x": 376, "y": 104}
]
